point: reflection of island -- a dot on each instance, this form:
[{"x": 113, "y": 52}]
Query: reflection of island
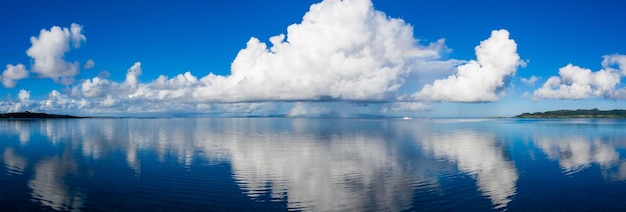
[
  {"x": 31, "y": 115},
  {"x": 593, "y": 113}
]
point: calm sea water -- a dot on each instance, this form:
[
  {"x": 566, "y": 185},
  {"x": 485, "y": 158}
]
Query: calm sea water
[{"x": 278, "y": 164}]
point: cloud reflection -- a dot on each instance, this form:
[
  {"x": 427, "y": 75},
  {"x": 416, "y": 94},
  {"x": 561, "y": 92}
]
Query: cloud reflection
[
  {"x": 617, "y": 173},
  {"x": 48, "y": 185},
  {"x": 479, "y": 155},
  {"x": 312, "y": 171},
  {"x": 308, "y": 164},
  {"x": 13, "y": 162},
  {"x": 305, "y": 162},
  {"x": 575, "y": 153}
]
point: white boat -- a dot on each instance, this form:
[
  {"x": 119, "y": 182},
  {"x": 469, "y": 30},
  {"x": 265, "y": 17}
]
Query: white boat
[{"x": 406, "y": 118}]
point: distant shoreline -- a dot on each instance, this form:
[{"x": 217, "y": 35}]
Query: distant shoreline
[
  {"x": 580, "y": 113},
  {"x": 593, "y": 113},
  {"x": 31, "y": 115}
]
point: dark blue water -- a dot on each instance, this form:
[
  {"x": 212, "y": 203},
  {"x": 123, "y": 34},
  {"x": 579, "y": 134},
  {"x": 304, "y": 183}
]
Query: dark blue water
[{"x": 278, "y": 164}]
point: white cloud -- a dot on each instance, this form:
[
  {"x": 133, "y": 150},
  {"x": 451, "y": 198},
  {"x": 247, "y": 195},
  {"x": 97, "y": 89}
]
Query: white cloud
[
  {"x": 48, "y": 51},
  {"x": 480, "y": 80},
  {"x": 94, "y": 87},
  {"x": 12, "y": 74},
  {"x": 529, "y": 81},
  {"x": 133, "y": 72},
  {"x": 575, "y": 82},
  {"x": 89, "y": 64},
  {"x": 341, "y": 50}
]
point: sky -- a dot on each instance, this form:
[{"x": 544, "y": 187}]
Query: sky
[{"x": 345, "y": 58}]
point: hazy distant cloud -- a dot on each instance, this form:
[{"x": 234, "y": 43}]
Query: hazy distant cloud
[
  {"x": 529, "y": 81},
  {"x": 98, "y": 87},
  {"x": 24, "y": 95},
  {"x": 575, "y": 82},
  {"x": 89, "y": 64},
  {"x": 480, "y": 80},
  {"x": 610, "y": 61},
  {"x": 24, "y": 101},
  {"x": 58, "y": 101},
  {"x": 405, "y": 107},
  {"x": 12, "y": 74},
  {"x": 305, "y": 109},
  {"x": 48, "y": 51},
  {"x": 104, "y": 74}
]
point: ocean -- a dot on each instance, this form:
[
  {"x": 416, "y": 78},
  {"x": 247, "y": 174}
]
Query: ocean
[{"x": 312, "y": 164}]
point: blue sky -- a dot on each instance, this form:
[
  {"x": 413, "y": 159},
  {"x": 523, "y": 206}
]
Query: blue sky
[{"x": 205, "y": 38}]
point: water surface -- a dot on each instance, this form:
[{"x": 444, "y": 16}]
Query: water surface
[{"x": 278, "y": 164}]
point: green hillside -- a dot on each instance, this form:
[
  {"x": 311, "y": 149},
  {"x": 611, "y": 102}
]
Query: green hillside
[{"x": 593, "y": 113}]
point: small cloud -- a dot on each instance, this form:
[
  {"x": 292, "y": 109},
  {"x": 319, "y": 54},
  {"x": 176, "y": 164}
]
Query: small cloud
[
  {"x": 48, "y": 49},
  {"x": 89, "y": 64},
  {"x": 99, "y": 87},
  {"x": 104, "y": 74},
  {"x": 610, "y": 61},
  {"x": 12, "y": 74},
  {"x": 529, "y": 81}
]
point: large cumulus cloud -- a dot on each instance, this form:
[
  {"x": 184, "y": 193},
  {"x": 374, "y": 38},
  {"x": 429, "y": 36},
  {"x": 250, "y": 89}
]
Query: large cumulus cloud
[
  {"x": 341, "y": 50},
  {"x": 480, "y": 80},
  {"x": 575, "y": 82}
]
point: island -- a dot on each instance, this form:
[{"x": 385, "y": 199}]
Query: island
[
  {"x": 32, "y": 115},
  {"x": 592, "y": 113}
]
